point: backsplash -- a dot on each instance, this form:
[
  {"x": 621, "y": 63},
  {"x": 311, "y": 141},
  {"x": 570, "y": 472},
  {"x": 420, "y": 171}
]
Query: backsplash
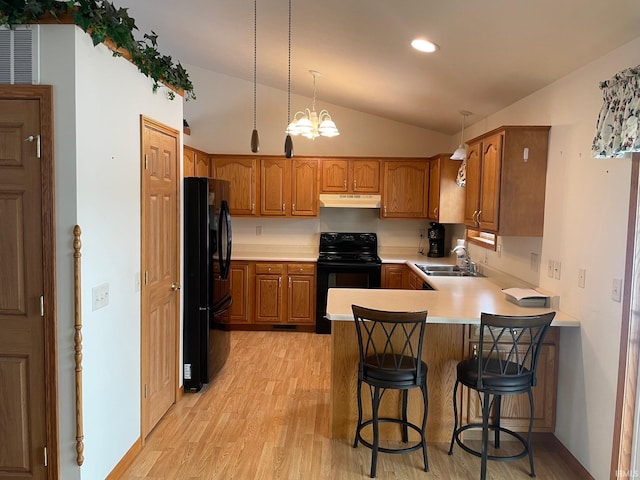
[{"x": 305, "y": 232}]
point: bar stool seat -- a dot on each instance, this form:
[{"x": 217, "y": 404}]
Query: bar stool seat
[{"x": 390, "y": 357}]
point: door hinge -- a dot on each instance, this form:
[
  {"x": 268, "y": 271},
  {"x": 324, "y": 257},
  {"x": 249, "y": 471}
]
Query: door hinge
[
  {"x": 42, "y": 305},
  {"x": 46, "y": 457},
  {"x": 145, "y": 390},
  {"x": 146, "y": 161},
  {"x": 146, "y": 277}
]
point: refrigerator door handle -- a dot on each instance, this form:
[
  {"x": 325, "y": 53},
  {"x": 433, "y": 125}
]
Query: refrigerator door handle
[{"x": 225, "y": 259}]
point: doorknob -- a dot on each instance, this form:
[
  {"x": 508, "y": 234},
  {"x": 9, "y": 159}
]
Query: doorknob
[{"x": 175, "y": 287}]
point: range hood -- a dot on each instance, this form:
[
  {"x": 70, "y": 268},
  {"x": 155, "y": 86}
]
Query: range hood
[{"x": 349, "y": 201}]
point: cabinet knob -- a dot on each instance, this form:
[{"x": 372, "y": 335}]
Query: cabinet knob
[
  {"x": 175, "y": 287},
  {"x": 253, "y": 208},
  {"x": 355, "y": 185},
  {"x": 385, "y": 210},
  {"x": 345, "y": 184},
  {"x": 293, "y": 208},
  {"x": 475, "y": 351},
  {"x": 435, "y": 212},
  {"x": 478, "y": 217},
  {"x": 283, "y": 208}
]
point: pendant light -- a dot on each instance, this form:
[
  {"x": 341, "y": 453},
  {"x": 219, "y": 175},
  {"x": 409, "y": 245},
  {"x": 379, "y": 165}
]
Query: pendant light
[
  {"x": 461, "y": 151},
  {"x": 255, "y": 139},
  {"x": 288, "y": 143}
]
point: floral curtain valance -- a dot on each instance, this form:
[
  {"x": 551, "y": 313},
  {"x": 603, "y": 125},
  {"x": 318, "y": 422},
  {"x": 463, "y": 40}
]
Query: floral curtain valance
[{"x": 618, "y": 129}]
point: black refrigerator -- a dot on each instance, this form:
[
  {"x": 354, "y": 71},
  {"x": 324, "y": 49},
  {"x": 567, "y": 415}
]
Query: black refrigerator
[{"x": 207, "y": 296}]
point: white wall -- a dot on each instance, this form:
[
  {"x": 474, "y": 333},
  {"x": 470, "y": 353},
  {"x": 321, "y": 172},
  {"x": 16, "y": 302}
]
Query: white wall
[
  {"x": 585, "y": 227},
  {"x": 98, "y": 102}
]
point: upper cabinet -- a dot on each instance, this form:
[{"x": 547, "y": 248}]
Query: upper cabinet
[
  {"x": 506, "y": 176},
  {"x": 354, "y": 175},
  {"x": 196, "y": 163},
  {"x": 446, "y": 198},
  {"x": 242, "y": 173},
  {"x": 405, "y": 190},
  {"x": 289, "y": 187}
]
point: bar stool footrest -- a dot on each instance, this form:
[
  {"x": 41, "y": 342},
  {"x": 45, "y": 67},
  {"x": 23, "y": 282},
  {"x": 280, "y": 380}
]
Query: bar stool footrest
[
  {"x": 499, "y": 458},
  {"x": 411, "y": 448}
]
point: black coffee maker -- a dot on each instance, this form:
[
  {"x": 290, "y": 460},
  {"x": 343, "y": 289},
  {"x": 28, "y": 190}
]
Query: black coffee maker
[{"x": 436, "y": 240}]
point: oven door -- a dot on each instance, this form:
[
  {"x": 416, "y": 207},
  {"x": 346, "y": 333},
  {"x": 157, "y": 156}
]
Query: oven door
[{"x": 341, "y": 275}]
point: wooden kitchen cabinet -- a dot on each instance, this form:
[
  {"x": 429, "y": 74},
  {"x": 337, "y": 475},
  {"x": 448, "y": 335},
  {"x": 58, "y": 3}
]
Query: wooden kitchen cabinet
[
  {"x": 240, "y": 310},
  {"x": 405, "y": 189},
  {"x": 289, "y": 187},
  {"x": 515, "y": 408},
  {"x": 196, "y": 163},
  {"x": 506, "y": 178},
  {"x": 395, "y": 275},
  {"x": 446, "y": 199},
  {"x": 341, "y": 175},
  {"x": 242, "y": 174},
  {"x": 285, "y": 293}
]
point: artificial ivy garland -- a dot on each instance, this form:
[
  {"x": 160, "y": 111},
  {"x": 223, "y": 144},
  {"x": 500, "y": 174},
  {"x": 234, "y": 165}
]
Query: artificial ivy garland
[{"x": 104, "y": 22}]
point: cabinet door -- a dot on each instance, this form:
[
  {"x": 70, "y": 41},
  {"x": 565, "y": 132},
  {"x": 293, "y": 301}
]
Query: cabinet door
[
  {"x": 515, "y": 408},
  {"x": 239, "y": 280},
  {"x": 269, "y": 299},
  {"x": 405, "y": 190},
  {"x": 394, "y": 275},
  {"x": 275, "y": 186},
  {"x": 301, "y": 299},
  {"x": 365, "y": 176},
  {"x": 334, "y": 176},
  {"x": 202, "y": 165},
  {"x": 433, "y": 210},
  {"x": 304, "y": 187},
  {"x": 490, "y": 182},
  {"x": 472, "y": 188},
  {"x": 188, "y": 158},
  {"x": 241, "y": 173}
]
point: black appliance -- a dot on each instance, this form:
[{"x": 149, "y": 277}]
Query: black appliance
[
  {"x": 345, "y": 260},
  {"x": 207, "y": 297},
  {"x": 436, "y": 240}
]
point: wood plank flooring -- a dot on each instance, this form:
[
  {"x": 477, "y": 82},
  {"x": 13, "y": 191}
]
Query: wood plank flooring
[{"x": 266, "y": 416}]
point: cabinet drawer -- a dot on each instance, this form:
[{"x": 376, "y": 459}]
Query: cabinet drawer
[
  {"x": 300, "y": 268},
  {"x": 552, "y": 336},
  {"x": 269, "y": 268}
]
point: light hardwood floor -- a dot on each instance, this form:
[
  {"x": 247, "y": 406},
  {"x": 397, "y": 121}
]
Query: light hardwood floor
[{"x": 266, "y": 416}]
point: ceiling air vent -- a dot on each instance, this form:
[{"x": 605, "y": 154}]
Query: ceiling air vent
[{"x": 18, "y": 49}]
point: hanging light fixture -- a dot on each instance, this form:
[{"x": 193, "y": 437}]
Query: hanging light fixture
[
  {"x": 311, "y": 124},
  {"x": 288, "y": 142},
  {"x": 461, "y": 151},
  {"x": 255, "y": 139}
]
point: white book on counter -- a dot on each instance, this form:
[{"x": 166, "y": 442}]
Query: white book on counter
[{"x": 526, "y": 297}]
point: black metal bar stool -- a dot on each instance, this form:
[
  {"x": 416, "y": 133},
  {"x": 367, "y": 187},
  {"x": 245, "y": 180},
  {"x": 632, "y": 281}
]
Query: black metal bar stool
[
  {"x": 505, "y": 364},
  {"x": 390, "y": 347}
]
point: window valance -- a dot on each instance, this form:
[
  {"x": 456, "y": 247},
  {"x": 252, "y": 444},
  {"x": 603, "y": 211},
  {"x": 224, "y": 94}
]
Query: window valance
[{"x": 617, "y": 129}]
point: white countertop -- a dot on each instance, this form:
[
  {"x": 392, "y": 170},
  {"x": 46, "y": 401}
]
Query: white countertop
[{"x": 455, "y": 300}]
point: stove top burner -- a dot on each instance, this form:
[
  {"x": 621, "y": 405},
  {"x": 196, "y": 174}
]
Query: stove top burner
[{"x": 357, "y": 248}]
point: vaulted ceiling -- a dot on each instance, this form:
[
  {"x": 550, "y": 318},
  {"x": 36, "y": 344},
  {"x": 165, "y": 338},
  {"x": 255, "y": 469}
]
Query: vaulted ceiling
[{"x": 492, "y": 52}]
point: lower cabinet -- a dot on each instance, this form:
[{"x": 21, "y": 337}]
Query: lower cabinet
[
  {"x": 515, "y": 408},
  {"x": 272, "y": 294},
  {"x": 400, "y": 276}
]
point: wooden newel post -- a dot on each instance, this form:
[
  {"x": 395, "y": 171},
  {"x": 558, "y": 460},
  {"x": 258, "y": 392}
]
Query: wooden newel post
[{"x": 78, "y": 342}]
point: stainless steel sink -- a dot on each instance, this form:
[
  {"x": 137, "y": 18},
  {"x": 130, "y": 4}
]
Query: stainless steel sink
[{"x": 446, "y": 271}]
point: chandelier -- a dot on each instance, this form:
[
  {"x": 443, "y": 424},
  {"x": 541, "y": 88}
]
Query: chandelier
[{"x": 310, "y": 123}]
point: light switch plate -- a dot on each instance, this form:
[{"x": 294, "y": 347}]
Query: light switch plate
[
  {"x": 616, "y": 290},
  {"x": 550, "y": 269},
  {"x": 556, "y": 270},
  {"x": 582, "y": 273},
  {"x": 99, "y": 296}
]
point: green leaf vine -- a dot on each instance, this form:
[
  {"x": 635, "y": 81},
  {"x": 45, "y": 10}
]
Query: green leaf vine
[{"x": 105, "y": 23}]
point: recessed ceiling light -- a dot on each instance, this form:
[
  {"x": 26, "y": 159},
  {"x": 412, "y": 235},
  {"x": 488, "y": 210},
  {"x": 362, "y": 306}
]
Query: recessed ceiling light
[{"x": 424, "y": 45}]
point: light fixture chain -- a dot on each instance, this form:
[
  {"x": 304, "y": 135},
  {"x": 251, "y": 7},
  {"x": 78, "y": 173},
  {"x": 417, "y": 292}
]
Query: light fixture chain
[
  {"x": 255, "y": 58},
  {"x": 313, "y": 102},
  {"x": 289, "y": 71}
]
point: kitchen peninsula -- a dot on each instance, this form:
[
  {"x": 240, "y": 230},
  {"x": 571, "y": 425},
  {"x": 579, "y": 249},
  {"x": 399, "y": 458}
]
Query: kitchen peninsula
[{"x": 454, "y": 308}]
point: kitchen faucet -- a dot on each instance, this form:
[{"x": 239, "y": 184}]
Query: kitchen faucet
[{"x": 470, "y": 266}]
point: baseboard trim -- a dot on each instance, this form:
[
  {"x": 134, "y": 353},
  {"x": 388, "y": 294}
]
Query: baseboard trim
[
  {"x": 126, "y": 461},
  {"x": 568, "y": 457}
]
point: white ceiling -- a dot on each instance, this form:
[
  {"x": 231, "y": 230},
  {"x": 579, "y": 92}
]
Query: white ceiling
[{"x": 492, "y": 52}]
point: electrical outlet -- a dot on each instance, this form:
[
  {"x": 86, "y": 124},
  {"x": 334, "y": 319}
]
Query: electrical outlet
[
  {"x": 582, "y": 273},
  {"x": 616, "y": 290},
  {"x": 556, "y": 270},
  {"x": 258, "y": 230},
  {"x": 100, "y": 296},
  {"x": 550, "y": 269},
  {"x": 499, "y": 250}
]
